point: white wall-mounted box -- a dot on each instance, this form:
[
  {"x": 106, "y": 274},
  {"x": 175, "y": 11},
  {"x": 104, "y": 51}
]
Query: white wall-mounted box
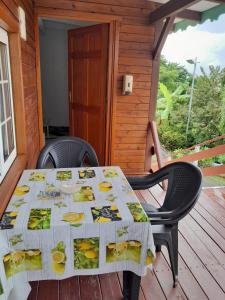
[{"x": 22, "y": 20}]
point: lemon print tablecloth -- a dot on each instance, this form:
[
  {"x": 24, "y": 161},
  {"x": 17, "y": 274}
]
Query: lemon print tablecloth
[{"x": 65, "y": 222}]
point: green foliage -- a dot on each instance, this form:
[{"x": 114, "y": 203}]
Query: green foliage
[
  {"x": 208, "y": 109},
  {"x": 173, "y": 75},
  {"x": 208, "y": 104}
]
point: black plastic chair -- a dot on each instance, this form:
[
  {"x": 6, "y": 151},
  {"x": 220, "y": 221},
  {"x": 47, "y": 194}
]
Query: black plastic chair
[
  {"x": 67, "y": 152},
  {"x": 183, "y": 190}
]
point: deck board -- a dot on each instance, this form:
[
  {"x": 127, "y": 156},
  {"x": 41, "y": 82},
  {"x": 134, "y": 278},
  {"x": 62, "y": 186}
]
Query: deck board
[{"x": 201, "y": 261}]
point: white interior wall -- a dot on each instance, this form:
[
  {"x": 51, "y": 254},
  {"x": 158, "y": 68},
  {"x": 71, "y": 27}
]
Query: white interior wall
[
  {"x": 54, "y": 69},
  {"x": 54, "y": 73}
]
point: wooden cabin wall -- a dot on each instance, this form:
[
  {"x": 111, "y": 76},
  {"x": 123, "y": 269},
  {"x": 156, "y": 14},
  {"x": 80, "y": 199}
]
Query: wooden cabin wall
[
  {"x": 29, "y": 78},
  {"x": 136, "y": 39}
]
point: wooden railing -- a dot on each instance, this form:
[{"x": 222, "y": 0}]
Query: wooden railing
[{"x": 192, "y": 157}]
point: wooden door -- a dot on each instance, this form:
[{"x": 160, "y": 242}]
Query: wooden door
[{"x": 88, "y": 61}]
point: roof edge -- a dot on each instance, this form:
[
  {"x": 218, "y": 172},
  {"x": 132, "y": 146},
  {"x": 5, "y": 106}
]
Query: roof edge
[{"x": 211, "y": 14}]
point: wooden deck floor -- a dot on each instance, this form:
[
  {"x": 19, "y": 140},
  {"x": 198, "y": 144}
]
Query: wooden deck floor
[{"x": 201, "y": 261}]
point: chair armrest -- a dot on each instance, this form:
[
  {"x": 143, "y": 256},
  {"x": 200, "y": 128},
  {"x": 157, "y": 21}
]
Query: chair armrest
[
  {"x": 146, "y": 182},
  {"x": 160, "y": 214}
]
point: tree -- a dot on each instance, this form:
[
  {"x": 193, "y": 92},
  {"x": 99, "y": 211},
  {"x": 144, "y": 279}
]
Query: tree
[
  {"x": 171, "y": 112},
  {"x": 208, "y": 108},
  {"x": 173, "y": 75},
  {"x": 172, "y": 103}
]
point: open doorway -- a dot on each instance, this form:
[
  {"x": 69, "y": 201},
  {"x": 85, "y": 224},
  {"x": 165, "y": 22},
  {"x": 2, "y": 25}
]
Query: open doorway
[{"x": 74, "y": 76}]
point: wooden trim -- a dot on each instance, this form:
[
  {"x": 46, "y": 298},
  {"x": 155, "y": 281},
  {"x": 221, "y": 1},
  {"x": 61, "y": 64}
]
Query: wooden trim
[
  {"x": 38, "y": 80},
  {"x": 18, "y": 92},
  {"x": 75, "y": 15},
  {"x": 153, "y": 97},
  {"x": 7, "y": 19},
  {"x": 8, "y": 184},
  {"x": 112, "y": 66},
  {"x": 161, "y": 33},
  {"x": 11, "y": 25},
  {"x": 170, "y": 8},
  {"x": 163, "y": 36},
  {"x": 111, "y": 90}
]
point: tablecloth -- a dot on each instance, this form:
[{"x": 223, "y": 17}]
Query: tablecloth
[{"x": 65, "y": 222}]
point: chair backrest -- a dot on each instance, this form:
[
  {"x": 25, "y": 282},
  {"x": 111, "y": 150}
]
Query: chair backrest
[
  {"x": 67, "y": 152},
  {"x": 184, "y": 187},
  {"x": 183, "y": 190}
]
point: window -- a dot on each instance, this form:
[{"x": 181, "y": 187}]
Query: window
[{"x": 7, "y": 126}]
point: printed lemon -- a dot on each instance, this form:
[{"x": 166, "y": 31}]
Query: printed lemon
[
  {"x": 58, "y": 257},
  {"x": 111, "y": 246},
  {"x": 87, "y": 192},
  {"x": 114, "y": 207},
  {"x": 13, "y": 214},
  {"x": 103, "y": 219},
  {"x": 21, "y": 190},
  {"x": 58, "y": 268},
  {"x": 73, "y": 217},
  {"x": 33, "y": 223},
  {"x": 149, "y": 260},
  {"x": 138, "y": 216},
  {"x": 13, "y": 222},
  {"x": 121, "y": 246},
  {"x": 84, "y": 246},
  {"x": 134, "y": 244},
  {"x": 33, "y": 252},
  {"x": 90, "y": 254},
  {"x": 6, "y": 258},
  {"x": 17, "y": 256},
  {"x": 105, "y": 186}
]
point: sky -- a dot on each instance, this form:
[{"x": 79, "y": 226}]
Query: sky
[{"x": 205, "y": 41}]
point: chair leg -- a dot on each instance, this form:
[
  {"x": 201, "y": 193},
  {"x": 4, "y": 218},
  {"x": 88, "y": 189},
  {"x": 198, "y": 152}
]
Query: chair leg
[
  {"x": 172, "y": 262},
  {"x": 172, "y": 246},
  {"x": 175, "y": 250},
  {"x": 158, "y": 248}
]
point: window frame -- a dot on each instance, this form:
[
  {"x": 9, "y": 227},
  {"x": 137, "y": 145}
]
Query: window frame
[
  {"x": 11, "y": 24},
  {"x": 6, "y": 164}
]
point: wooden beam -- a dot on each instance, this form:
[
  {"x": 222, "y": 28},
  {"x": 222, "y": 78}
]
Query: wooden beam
[
  {"x": 191, "y": 15},
  {"x": 186, "y": 14},
  {"x": 168, "y": 25},
  {"x": 218, "y": 1},
  {"x": 171, "y": 8}
]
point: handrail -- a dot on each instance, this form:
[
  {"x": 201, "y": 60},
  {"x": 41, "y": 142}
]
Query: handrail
[
  {"x": 211, "y": 152},
  {"x": 205, "y": 142},
  {"x": 200, "y": 155}
]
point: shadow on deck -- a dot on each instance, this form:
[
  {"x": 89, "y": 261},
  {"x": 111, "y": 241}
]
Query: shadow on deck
[{"x": 201, "y": 261}]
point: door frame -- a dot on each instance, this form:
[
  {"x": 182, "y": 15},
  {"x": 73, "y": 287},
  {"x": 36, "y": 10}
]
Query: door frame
[{"x": 113, "y": 54}]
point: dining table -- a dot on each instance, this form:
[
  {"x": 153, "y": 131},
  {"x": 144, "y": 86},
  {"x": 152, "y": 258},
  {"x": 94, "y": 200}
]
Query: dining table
[{"x": 67, "y": 222}]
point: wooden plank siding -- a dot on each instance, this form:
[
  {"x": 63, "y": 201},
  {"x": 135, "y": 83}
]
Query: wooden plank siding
[
  {"x": 29, "y": 78},
  {"x": 201, "y": 261},
  {"x": 136, "y": 39}
]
